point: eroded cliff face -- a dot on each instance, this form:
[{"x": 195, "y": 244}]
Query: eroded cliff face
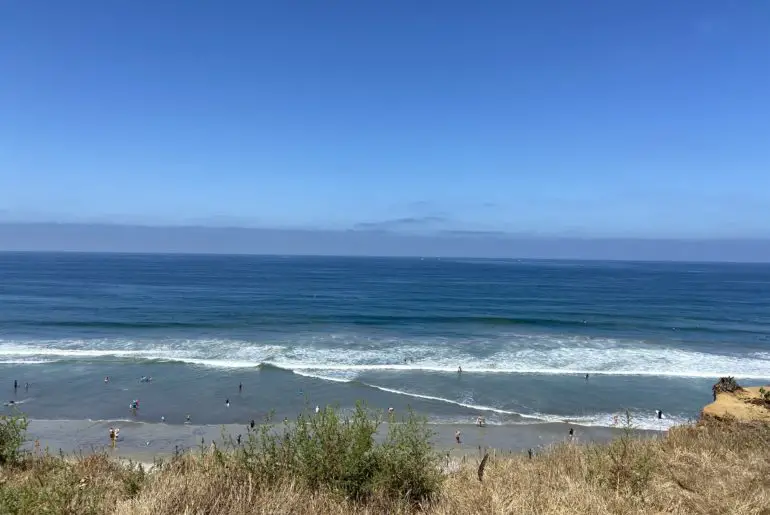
[{"x": 747, "y": 404}]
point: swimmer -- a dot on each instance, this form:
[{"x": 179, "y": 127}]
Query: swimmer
[
  {"x": 26, "y": 387},
  {"x": 227, "y": 402},
  {"x": 240, "y": 387},
  {"x": 586, "y": 377},
  {"x": 659, "y": 413},
  {"x": 187, "y": 419},
  {"x": 106, "y": 379},
  {"x": 457, "y": 436},
  {"x": 15, "y": 384},
  {"x": 459, "y": 370},
  {"x": 162, "y": 418}
]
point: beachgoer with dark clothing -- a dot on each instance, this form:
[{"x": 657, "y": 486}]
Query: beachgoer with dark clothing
[
  {"x": 239, "y": 439},
  {"x": 586, "y": 377},
  {"x": 15, "y": 384},
  {"x": 571, "y": 432},
  {"x": 251, "y": 424},
  {"x": 240, "y": 387},
  {"x": 660, "y": 414}
]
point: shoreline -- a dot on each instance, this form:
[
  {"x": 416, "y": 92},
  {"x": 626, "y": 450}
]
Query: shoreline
[{"x": 145, "y": 441}]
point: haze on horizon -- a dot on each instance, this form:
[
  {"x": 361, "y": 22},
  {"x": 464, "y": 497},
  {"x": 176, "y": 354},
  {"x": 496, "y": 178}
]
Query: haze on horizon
[{"x": 598, "y": 130}]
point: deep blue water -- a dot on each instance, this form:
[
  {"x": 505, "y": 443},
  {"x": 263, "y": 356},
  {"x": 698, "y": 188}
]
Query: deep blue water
[{"x": 393, "y": 332}]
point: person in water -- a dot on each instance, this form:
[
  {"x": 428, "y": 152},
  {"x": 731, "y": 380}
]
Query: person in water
[
  {"x": 187, "y": 419},
  {"x": 15, "y": 384},
  {"x": 240, "y": 387},
  {"x": 227, "y": 402},
  {"x": 459, "y": 370},
  {"x": 106, "y": 379},
  {"x": 457, "y": 436},
  {"x": 659, "y": 413}
]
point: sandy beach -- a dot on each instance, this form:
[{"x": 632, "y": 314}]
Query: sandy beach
[{"x": 144, "y": 442}]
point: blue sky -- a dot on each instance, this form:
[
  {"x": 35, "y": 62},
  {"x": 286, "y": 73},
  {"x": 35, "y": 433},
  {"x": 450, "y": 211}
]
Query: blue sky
[{"x": 561, "y": 118}]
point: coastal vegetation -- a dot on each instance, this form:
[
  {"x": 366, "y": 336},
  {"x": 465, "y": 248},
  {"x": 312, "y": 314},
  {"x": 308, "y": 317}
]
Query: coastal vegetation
[{"x": 329, "y": 463}]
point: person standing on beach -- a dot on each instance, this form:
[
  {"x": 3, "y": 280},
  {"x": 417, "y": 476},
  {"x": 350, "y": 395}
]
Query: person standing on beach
[
  {"x": 571, "y": 433},
  {"x": 251, "y": 424}
]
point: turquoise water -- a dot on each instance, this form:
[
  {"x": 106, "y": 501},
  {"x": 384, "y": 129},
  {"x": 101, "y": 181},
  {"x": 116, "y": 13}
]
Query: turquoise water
[{"x": 299, "y": 331}]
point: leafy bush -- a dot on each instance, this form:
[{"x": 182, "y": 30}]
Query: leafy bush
[
  {"x": 725, "y": 384},
  {"x": 13, "y": 433},
  {"x": 329, "y": 450}
]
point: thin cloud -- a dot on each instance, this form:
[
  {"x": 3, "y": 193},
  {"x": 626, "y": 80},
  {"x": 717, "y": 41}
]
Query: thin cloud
[{"x": 407, "y": 222}]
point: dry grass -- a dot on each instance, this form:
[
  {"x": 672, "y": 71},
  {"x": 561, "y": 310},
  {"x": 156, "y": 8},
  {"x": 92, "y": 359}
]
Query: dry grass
[{"x": 714, "y": 467}]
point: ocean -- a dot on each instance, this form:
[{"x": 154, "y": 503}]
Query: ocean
[{"x": 298, "y": 332}]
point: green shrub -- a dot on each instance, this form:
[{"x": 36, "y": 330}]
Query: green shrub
[
  {"x": 329, "y": 450},
  {"x": 13, "y": 434}
]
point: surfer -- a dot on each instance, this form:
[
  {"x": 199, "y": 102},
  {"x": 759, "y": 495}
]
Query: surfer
[
  {"x": 106, "y": 379},
  {"x": 659, "y": 413}
]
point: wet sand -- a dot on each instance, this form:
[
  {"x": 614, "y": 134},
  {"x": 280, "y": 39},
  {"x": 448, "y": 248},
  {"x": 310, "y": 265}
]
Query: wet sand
[{"x": 144, "y": 442}]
